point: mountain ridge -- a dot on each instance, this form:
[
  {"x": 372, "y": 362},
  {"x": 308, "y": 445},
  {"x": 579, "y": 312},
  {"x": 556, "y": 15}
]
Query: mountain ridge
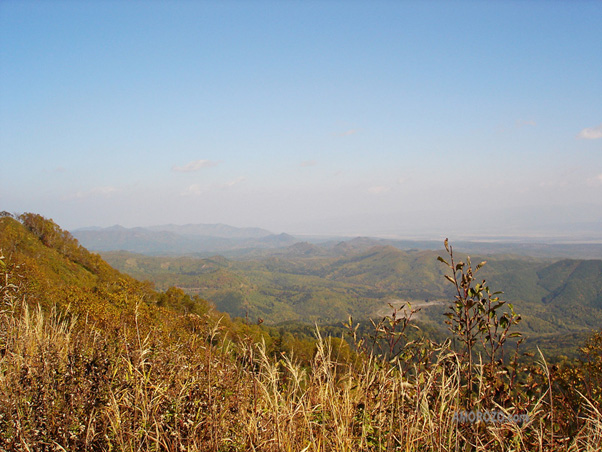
[
  {"x": 252, "y": 242},
  {"x": 174, "y": 239}
]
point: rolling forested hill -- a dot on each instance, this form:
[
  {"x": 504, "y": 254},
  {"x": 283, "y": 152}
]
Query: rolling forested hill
[{"x": 560, "y": 300}]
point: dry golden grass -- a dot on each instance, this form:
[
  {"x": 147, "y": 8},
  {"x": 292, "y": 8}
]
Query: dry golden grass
[{"x": 65, "y": 385}]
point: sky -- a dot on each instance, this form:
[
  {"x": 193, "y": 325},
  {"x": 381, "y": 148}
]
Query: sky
[{"x": 397, "y": 119}]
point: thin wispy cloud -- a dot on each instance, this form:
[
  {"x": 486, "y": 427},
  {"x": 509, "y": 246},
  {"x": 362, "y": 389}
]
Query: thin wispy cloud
[
  {"x": 309, "y": 163},
  {"x": 197, "y": 189},
  {"x": 568, "y": 177},
  {"x": 595, "y": 181},
  {"x": 96, "y": 191},
  {"x": 192, "y": 190},
  {"x": 522, "y": 123},
  {"x": 554, "y": 183},
  {"x": 591, "y": 133},
  {"x": 107, "y": 190},
  {"x": 507, "y": 127},
  {"x": 234, "y": 182},
  {"x": 193, "y": 166},
  {"x": 346, "y": 133},
  {"x": 379, "y": 189}
]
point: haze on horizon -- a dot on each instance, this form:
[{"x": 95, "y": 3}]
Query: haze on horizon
[{"x": 352, "y": 118}]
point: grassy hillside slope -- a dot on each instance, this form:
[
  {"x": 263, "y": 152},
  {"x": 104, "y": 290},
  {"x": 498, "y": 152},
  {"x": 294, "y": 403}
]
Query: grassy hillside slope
[{"x": 91, "y": 359}]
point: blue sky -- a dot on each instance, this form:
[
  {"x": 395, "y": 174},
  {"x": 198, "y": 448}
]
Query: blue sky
[{"x": 324, "y": 117}]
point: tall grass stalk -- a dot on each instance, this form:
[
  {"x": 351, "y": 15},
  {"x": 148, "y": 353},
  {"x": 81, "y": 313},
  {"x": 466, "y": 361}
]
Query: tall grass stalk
[{"x": 64, "y": 386}]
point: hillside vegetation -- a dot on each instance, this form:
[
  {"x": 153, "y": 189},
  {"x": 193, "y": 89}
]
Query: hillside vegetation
[
  {"x": 92, "y": 359},
  {"x": 560, "y": 300}
]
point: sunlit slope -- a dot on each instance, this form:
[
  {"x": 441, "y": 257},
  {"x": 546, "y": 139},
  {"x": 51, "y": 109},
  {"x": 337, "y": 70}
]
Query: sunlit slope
[
  {"x": 54, "y": 270},
  {"x": 50, "y": 259}
]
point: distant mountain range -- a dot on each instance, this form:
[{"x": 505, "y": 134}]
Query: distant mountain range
[
  {"x": 213, "y": 230},
  {"x": 187, "y": 239},
  {"x": 208, "y": 239}
]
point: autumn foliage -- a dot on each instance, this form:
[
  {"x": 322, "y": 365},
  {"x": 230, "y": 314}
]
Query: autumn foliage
[{"x": 91, "y": 359}]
